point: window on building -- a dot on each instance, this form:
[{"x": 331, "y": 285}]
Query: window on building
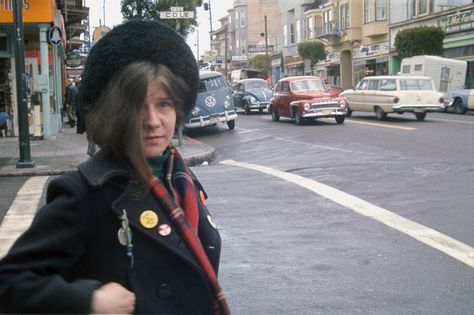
[
  {"x": 285, "y": 35},
  {"x": 298, "y": 30},
  {"x": 318, "y": 25},
  {"x": 242, "y": 19},
  {"x": 380, "y": 10},
  {"x": 326, "y": 22},
  {"x": 367, "y": 17},
  {"x": 237, "y": 19},
  {"x": 344, "y": 14},
  {"x": 422, "y": 7},
  {"x": 292, "y": 33},
  {"x": 310, "y": 28}
]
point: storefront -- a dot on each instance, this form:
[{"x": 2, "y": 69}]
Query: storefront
[
  {"x": 43, "y": 88},
  {"x": 369, "y": 61},
  {"x": 459, "y": 40},
  {"x": 294, "y": 65},
  {"x": 330, "y": 68}
]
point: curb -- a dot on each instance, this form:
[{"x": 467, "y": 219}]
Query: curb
[{"x": 193, "y": 160}]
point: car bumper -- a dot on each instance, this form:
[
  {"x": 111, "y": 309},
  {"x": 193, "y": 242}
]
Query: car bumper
[
  {"x": 418, "y": 109},
  {"x": 213, "y": 119},
  {"x": 259, "y": 105},
  {"x": 324, "y": 112}
]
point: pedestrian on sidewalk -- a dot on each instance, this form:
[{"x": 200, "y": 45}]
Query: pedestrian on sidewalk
[
  {"x": 129, "y": 232},
  {"x": 70, "y": 103}
]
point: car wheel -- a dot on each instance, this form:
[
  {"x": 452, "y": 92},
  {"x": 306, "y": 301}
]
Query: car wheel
[
  {"x": 459, "y": 107},
  {"x": 246, "y": 109},
  {"x": 349, "y": 112},
  {"x": 231, "y": 124},
  {"x": 420, "y": 116},
  {"x": 298, "y": 118},
  {"x": 274, "y": 112},
  {"x": 379, "y": 113},
  {"x": 340, "y": 119}
]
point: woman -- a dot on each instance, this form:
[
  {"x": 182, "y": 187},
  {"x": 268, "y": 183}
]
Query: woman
[{"x": 128, "y": 232}]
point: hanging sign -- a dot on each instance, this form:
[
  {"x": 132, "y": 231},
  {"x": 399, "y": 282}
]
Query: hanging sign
[{"x": 55, "y": 35}]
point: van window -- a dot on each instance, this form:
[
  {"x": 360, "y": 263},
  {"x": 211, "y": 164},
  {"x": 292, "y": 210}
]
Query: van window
[
  {"x": 406, "y": 69},
  {"x": 418, "y": 67},
  {"x": 212, "y": 84},
  {"x": 416, "y": 84},
  {"x": 387, "y": 85},
  {"x": 373, "y": 85}
]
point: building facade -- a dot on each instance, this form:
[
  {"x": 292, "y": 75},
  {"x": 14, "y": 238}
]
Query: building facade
[{"x": 46, "y": 46}]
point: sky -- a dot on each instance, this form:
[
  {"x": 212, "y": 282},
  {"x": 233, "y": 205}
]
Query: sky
[{"x": 113, "y": 17}]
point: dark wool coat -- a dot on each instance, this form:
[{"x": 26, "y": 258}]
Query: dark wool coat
[{"x": 72, "y": 248}]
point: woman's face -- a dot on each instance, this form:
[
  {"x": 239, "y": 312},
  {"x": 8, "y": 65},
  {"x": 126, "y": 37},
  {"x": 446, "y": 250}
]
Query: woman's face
[{"x": 158, "y": 121}]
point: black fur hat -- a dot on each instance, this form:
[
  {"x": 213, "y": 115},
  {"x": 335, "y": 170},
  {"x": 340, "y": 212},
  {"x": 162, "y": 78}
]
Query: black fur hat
[{"x": 138, "y": 40}]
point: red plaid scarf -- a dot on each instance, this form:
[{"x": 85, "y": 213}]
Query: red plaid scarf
[{"x": 183, "y": 210}]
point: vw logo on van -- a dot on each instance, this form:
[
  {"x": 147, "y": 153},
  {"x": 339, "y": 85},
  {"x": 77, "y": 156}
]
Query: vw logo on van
[{"x": 210, "y": 101}]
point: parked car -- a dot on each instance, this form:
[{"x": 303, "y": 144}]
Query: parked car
[
  {"x": 462, "y": 100},
  {"x": 252, "y": 94},
  {"x": 214, "y": 102},
  {"x": 305, "y": 98},
  {"x": 394, "y": 94}
]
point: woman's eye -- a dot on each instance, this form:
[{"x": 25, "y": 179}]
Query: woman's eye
[{"x": 164, "y": 104}]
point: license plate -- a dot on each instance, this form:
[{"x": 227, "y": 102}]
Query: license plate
[
  {"x": 327, "y": 111},
  {"x": 214, "y": 119}
]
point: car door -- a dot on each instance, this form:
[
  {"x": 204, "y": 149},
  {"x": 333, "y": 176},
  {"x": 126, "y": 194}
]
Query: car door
[
  {"x": 284, "y": 99},
  {"x": 356, "y": 98}
]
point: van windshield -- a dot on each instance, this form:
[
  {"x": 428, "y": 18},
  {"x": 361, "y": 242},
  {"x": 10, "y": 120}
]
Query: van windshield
[
  {"x": 212, "y": 84},
  {"x": 416, "y": 84}
]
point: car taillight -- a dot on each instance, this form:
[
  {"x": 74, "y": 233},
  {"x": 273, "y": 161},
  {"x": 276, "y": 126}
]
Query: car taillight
[
  {"x": 441, "y": 100},
  {"x": 396, "y": 99}
]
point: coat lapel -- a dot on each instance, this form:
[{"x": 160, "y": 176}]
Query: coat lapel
[{"x": 136, "y": 207}]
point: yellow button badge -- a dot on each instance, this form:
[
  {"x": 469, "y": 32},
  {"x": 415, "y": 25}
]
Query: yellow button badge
[{"x": 148, "y": 219}]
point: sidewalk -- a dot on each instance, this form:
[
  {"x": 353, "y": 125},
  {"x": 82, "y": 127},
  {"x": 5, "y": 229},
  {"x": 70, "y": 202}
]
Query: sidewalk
[{"x": 65, "y": 151}]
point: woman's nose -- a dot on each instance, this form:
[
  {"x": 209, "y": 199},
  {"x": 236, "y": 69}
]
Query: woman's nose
[{"x": 152, "y": 117}]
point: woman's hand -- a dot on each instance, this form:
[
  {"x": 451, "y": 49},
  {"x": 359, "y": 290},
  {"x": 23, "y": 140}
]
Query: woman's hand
[{"x": 112, "y": 298}]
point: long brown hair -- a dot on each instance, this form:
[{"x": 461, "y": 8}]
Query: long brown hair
[{"x": 114, "y": 123}]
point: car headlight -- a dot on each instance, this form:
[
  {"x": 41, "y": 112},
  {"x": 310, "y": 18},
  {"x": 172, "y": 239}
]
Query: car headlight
[
  {"x": 342, "y": 104},
  {"x": 195, "y": 111},
  {"x": 306, "y": 106},
  {"x": 253, "y": 99},
  {"x": 227, "y": 103}
]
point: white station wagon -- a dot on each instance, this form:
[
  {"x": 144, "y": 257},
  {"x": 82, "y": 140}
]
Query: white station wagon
[{"x": 394, "y": 94}]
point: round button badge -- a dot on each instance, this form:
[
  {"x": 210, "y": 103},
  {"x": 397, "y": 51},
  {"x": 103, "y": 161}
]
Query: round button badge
[{"x": 148, "y": 219}]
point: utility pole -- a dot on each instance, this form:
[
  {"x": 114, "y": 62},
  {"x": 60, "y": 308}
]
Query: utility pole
[
  {"x": 269, "y": 71},
  {"x": 24, "y": 132},
  {"x": 225, "y": 52}
]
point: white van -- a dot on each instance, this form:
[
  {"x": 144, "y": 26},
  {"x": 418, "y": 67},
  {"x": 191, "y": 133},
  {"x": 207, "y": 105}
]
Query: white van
[
  {"x": 394, "y": 94},
  {"x": 448, "y": 74}
]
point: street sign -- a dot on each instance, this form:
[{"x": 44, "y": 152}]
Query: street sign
[{"x": 176, "y": 15}]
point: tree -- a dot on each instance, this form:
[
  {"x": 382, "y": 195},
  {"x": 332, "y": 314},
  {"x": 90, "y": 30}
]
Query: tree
[
  {"x": 423, "y": 40},
  {"x": 262, "y": 63},
  {"x": 149, "y": 10},
  {"x": 314, "y": 50}
]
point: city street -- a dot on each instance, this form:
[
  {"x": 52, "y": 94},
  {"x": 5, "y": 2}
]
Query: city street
[{"x": 367, "y": 217}]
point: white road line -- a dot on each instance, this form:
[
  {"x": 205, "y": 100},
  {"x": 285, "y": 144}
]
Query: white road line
[
  {"x": 384, "y": 125},
  {"x": 454, "y": 121},
  {"x": 21, "y": 212},
  {"x": 426, "y": 235}
]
